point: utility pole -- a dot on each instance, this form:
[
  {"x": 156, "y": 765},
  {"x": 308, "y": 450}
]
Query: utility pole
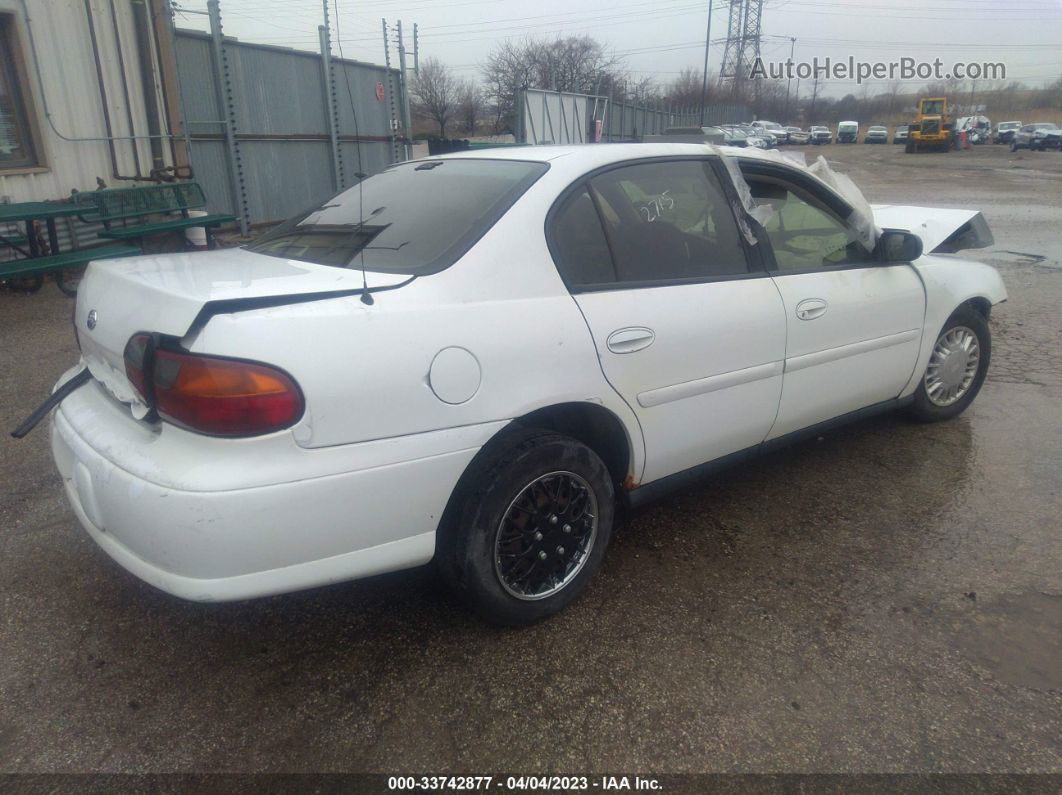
[
  {"x": 704, "y": 79},
  {"x": 331, "y": 103},
  {"x": 416, "y": 51},
  {"x": 227, "y": 99},
  {"x": 390, "y": 91},
  {"x": 792, "y": 49},
  {"x": 407, "y": 122}
]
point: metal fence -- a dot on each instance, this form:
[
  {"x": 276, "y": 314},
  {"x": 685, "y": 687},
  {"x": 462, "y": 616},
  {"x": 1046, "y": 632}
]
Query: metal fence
[
  {"x": 560, "y": 117},
  {"x": 270, "y": 134}
]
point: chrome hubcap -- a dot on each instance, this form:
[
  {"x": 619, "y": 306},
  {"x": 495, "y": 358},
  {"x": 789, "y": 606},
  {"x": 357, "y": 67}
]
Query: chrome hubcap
[
  {"x": 546, "y": 535},
  {"x": 952, "y": 366}
]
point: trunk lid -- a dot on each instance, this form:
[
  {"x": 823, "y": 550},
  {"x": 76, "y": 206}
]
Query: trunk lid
[
  {"x": 165, "y": 294},
  {"x": 942, "y": 231}
]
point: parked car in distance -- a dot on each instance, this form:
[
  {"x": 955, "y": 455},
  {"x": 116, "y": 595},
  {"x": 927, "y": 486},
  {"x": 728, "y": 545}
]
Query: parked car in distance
[
  {"x": 393, "y": 377},
  {"x": 759, "y": 137},
  {"x": 1039, "y": 135},
  {"x": 797, "y": 136},
  {"x": 820, "y": 135},
  {"x": 1005, "y": 131},
  {"x": 847, "y": 132},
  {"x": 744, "y": 136},
  {"x": 772, "y": 128},
  {"x": 876, "y": 135},
  {"x": 899, "y": 135},
  {"x": 688, "y": 135},
  {"x": 734, "y": 136},
  {"x": 978, "y": 128}
]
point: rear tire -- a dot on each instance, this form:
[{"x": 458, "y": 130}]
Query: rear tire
[
  {"x": 956, "y": 368},
  {"x": 530, "y": 525}
]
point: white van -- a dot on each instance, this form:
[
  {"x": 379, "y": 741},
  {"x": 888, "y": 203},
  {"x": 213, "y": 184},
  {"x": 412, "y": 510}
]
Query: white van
[{"x": 847, "y": 132}]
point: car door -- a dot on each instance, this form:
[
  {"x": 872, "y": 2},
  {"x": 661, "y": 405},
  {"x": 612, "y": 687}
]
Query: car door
[
  {"x": 854, "y": 324},
  {"x": 686, "y": 332}
]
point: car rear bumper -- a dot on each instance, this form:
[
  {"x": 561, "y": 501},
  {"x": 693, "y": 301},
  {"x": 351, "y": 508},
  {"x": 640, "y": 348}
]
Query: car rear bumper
[{"x": 316, "y": 526}]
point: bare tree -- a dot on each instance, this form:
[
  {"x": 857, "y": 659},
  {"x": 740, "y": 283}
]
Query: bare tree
[
  {"x": 894, "y": 90},
  {"x": 435, "y": 93},
  {"x": 469, "y": 105},
  {"x": 686, "y": 88},
  {"x": 816, "y": 88},
  {"x": 573, "y": 63}
]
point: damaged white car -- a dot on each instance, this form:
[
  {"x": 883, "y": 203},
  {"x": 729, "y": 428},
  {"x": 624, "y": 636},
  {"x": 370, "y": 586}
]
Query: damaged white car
[{"x": 481, "y": 358}]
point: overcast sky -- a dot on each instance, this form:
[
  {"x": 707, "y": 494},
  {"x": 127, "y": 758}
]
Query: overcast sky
[{"x": 658, "y": 38}]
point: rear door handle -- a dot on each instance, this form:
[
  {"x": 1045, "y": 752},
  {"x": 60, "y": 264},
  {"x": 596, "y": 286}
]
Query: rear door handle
[
  {"x": 811, "y": 308},
  {"x": 629, "y": 340}
]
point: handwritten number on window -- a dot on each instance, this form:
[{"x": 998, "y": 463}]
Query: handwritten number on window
[{"x": 656, "y": 207}]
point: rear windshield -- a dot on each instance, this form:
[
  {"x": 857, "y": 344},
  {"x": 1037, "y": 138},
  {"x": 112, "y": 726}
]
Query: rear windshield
[{"x": 414, "y": 218}]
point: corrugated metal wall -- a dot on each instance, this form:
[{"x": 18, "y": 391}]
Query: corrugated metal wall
[
  {"x": 629, "y": 122},
  {"x": 565, "y": 118},
  {"x": 281, "y": 126}
]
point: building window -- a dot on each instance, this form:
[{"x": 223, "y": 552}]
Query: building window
[{"x": 17, "y": 146}]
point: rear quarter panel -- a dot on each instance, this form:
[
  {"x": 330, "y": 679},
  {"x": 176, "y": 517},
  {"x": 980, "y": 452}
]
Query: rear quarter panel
[{"x": 365, "y": 370}]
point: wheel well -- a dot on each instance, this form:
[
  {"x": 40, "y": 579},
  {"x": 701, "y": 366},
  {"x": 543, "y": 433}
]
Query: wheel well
[
  {"x": 593, "y": 425},
  {"x": 981, "y": 305}
]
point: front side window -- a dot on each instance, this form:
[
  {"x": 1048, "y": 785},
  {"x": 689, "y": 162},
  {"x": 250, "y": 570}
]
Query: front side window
[
  {"x": 17, "y": 148},
  {"x": 668, "y": 220},
  {"x": 803, "y": 232},
  {"x": 413, "y": 218}
]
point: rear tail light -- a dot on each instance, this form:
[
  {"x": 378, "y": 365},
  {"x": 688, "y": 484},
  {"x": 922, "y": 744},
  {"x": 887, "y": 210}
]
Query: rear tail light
[
  {"x": 134, "y": 356},
  {"x": 212, "y": 394}
]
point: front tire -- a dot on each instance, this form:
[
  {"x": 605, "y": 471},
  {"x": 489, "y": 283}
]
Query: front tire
[
  {"x": 956, "y": 369},
  {"x": 532, "y": 520}
]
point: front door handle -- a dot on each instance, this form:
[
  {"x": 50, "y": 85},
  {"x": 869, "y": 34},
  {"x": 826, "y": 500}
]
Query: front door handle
[
  {"x": 629, "y": 340},
  {"x": 810, "y": 308}
]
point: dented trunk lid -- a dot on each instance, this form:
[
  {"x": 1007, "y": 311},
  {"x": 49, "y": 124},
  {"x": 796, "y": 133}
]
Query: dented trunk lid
[{"x": 166, "y": 294}]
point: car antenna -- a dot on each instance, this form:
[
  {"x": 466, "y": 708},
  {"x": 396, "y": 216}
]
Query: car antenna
[{"x": 366, "y": 296}]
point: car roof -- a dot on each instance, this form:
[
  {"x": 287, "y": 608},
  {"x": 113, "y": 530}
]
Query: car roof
[{"x": 580, "y": 158}]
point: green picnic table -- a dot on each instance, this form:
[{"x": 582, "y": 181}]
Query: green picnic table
[{"x": 27, "y": 271}]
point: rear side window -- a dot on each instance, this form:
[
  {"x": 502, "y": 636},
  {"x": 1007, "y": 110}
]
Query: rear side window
[
  {"x": 414, "y": 218},
  {"x": 579, "y": 244},
  {"x": 667, "y": 221}
]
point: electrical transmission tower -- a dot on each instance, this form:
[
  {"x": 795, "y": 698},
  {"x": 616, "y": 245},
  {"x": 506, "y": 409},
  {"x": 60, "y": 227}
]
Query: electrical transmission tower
[{"x": 742, "y": 38}]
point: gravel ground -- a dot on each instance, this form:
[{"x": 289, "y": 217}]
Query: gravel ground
[{"x": 886, "y": 598}]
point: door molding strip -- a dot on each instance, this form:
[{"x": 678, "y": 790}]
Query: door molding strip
[
  {"x": 852, "y": 349},
  {"x": 712, "y": 383}
]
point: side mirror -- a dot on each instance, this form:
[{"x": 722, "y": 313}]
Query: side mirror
[{"x": 896, "y": 245}]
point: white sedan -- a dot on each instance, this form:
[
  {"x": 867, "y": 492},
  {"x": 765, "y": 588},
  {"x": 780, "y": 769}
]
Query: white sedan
[{"x": 480, "y": 358}]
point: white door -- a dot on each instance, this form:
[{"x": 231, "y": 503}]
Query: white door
[
  {"x": 854, "y": 325},
  {"x": 692, "y": 340}
]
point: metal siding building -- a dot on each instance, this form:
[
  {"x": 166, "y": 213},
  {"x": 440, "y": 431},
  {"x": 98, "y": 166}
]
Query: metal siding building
[
  {"x": 82, "y": 68},
  {"x": 64, "y": 99}
]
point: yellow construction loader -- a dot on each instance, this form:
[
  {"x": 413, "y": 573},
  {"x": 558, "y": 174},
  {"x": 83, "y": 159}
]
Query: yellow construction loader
[{"x": 933, "y": 129}]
